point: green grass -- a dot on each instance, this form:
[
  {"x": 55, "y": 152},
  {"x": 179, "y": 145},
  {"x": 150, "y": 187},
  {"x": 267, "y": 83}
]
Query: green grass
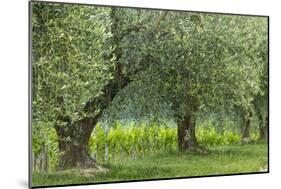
[{"x": 220, "y": 160}]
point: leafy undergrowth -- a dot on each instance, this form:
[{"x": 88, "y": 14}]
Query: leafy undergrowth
[{"x": 229, "y": 159}]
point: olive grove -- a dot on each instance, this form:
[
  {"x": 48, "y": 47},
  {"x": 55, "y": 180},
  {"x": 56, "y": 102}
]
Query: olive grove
[{"x": 92, "y": 63}]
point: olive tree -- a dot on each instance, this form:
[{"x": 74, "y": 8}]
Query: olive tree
[
  {"x": 77, "y": 71},
  {"x": 70, "y": 73},
  {"x": 197, "y": 62}
]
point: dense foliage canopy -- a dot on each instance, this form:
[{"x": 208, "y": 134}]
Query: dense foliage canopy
[{"x": 105, "y": 64}]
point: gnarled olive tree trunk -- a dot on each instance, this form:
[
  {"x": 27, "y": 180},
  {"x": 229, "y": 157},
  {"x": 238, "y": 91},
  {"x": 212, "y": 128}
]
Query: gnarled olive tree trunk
[
  {"x": 73, "y": 142},
  {"x": 266, "y": 128},
  {"x": 263, "y": 124},
  {"x": 246, "y": 125},
  {"x": 186, "y": 133},
  {"x": 263, "y": 127}
]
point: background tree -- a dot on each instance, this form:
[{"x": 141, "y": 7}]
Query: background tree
[{"x": 200, "y": 62}]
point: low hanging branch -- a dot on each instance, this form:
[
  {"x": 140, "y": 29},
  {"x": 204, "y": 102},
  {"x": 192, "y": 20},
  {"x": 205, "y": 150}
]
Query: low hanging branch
[{"x": 158, "y": 21}]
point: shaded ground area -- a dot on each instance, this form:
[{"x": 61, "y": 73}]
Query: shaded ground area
[{"x": 220, "y": 160}]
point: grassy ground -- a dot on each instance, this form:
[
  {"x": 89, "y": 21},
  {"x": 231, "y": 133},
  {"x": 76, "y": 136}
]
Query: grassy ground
[{"x": 220, "y": 160}]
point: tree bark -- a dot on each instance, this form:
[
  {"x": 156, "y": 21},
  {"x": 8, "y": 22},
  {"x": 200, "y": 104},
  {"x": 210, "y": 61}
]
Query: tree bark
[
  {"x": 261, "y": 126},
  {"x": 73, "y": 144},
  {"x": 265, "y": 128},
  {"x": 246, "y": 125},
  {"x": 262, "y": 122},
  {"x": 186, "y": 134},
  {"x": 246, "y": 129}
]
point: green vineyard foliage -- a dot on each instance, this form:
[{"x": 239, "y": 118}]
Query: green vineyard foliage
[
  {"x": 129, "y": 141},
  {"x": 141, "y": 140}
]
